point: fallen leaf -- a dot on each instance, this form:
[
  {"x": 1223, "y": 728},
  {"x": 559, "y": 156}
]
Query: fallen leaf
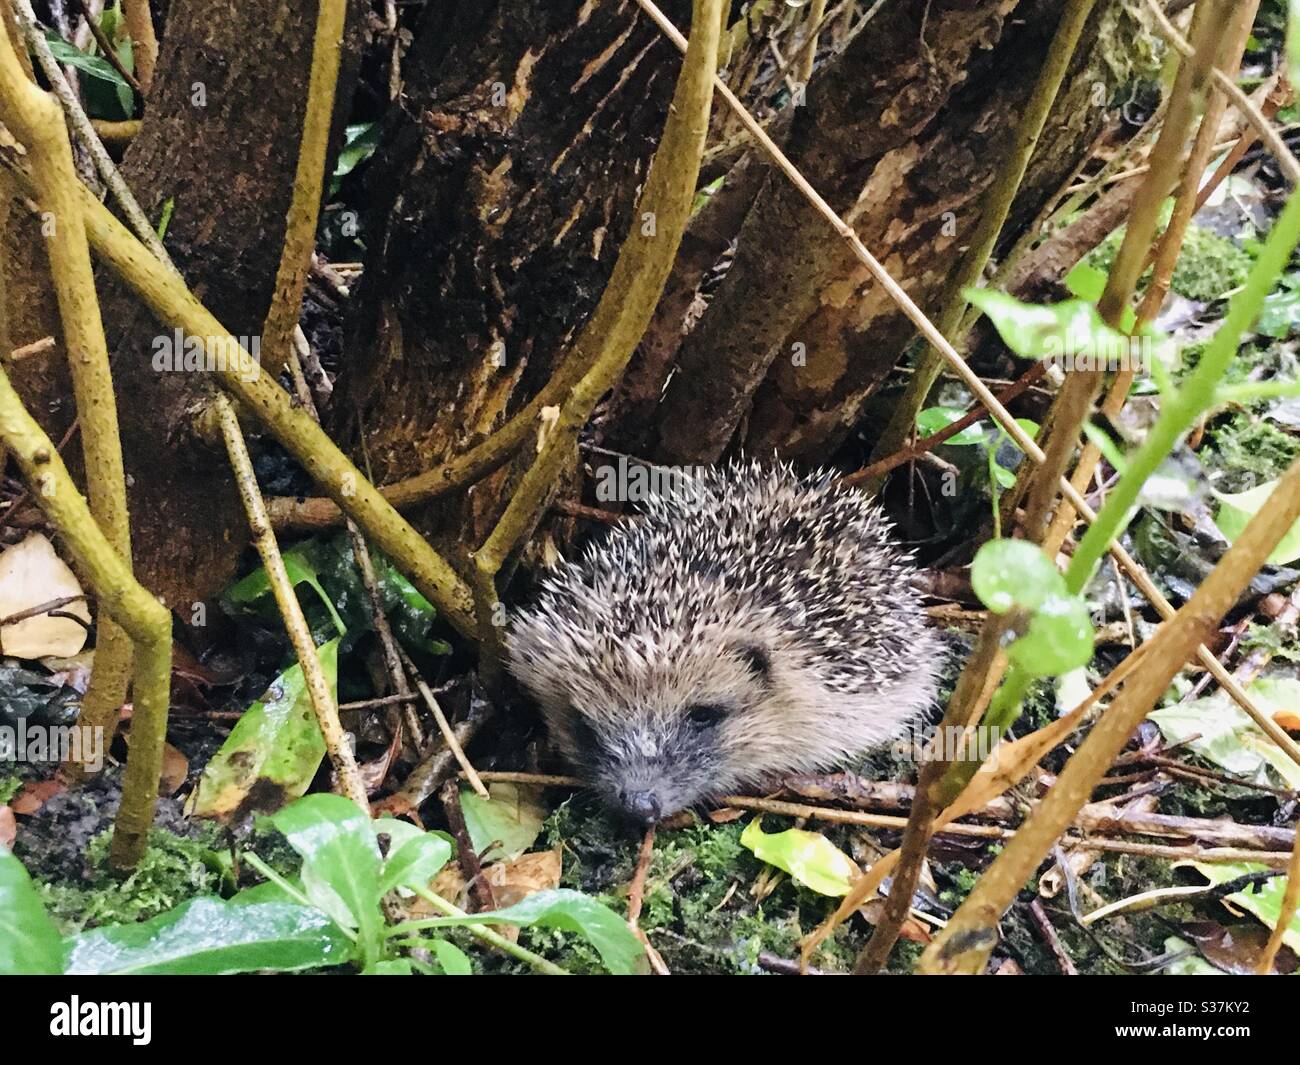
[
  {"x": 175, "y": 768},
  {"x": 36, "y": 794},
  {"x": 511, "y": 881},
  {"x": 8, "y": 827},
  {"x": 31, "y": 574},
  {"x": 511, "y": 817},
  {"x": 809, "y": 857}
]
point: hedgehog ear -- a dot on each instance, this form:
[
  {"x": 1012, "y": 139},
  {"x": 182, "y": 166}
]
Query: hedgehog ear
[{"x": 756, "y": 659}]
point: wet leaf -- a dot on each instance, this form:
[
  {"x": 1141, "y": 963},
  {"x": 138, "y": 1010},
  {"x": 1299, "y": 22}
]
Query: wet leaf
[
  {"x": 211, "y": 936},
  {"x": 1014, "y": 573},
  {"x": 935, "y": 419},
  {"x": 415, "y": 862},
  {"x": 809, "y": 857},
  {"x": 273, "y": 751},
  {"x": 340, "y": 858},
  {"x": 29, "y": 942},
  {"x": 1236, "y": 510},
  {"x": 569, "y": 911},
  {"x": 511, "y": 816},
  {"x": 300, "y": 569},
  {"x": 1059, "y": 638},
  {"x": 1230, "y": 739}
]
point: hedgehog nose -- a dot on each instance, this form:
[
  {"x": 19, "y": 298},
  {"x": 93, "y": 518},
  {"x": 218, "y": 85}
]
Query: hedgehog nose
[{"x": 643, "y": 805}]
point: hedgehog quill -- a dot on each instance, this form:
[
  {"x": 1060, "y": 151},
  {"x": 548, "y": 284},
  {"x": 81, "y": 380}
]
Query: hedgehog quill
[{"x": 752, "y": 623}]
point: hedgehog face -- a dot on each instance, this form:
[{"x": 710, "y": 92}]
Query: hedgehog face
[{"x": 655, "y": 729}]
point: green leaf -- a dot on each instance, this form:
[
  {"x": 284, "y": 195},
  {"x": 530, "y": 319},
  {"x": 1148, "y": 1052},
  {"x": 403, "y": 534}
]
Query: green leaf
[
  {"x": 1191, "y": 965},
  {"x": 210, "y": 936},
  {"x": 935, "y": 419},
  {"x": 1219, "y": 730},
  {"x": 1237, "y": 508},
  {"x": 106, "y": 88},
  {"x": 809, "y": 857},
  {"x": 391, "y": 967},
  {"x": 1071, "y": 333},
  {"x": 340, "y": 859},
  {"x": 453, "y": 960},
  {"x": 1014, "y": 573},
  {"x": 569, "y": 911},
  {"x": 300, "y": 570},
  {"x": 1059, "y": 638},
  {"x": 511, "y": 816},
  {"x": 30, "y": 945},
  {"x": 274, "y": 749},
  {"x": 360, "y": 141},
  {"x": 1265, "y": 902},
  {"x": 1279, "y": 316},
  {"x": 414, "y": 863}
]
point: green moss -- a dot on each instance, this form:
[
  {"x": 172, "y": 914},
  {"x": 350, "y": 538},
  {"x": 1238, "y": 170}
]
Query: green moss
[
  {"x": 1209, "y": 266},
  {"x": 174, "y": 869},
  {"x": 1249, "y": 450},
  {"x": 9, "y": 787}
]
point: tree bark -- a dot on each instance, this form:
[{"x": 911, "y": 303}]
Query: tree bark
[
  {"x": 505, "y": 182},
  {"x": 797, "y": 337},
  {"x": 219, "y": 142}
]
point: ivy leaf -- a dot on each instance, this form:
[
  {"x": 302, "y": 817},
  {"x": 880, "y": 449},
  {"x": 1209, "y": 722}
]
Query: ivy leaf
[{"x": 809, "y": 857}]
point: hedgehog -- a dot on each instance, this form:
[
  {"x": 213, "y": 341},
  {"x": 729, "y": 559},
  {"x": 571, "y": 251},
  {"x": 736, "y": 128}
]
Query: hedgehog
[{"x": 752, "y": 623}]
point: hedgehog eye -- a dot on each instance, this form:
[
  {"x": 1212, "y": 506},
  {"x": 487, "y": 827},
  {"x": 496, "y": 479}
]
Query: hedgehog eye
[{"x": 706, "y": 715}]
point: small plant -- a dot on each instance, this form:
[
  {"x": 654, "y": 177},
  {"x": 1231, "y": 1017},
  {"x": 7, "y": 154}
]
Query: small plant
[{"x": 331, "y": 915}]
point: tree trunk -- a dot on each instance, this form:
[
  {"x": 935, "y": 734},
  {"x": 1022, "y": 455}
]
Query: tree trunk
[
  {"x": 797, "y": 336},
  {"x": 219, "y": 143},
  {"x": 506, "y": 180}
]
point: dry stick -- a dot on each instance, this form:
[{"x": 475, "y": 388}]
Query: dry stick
[
  {"x": 323, "y": 701},
  {"x": 1170, "y": 244},
  {"x": 1290, "y": 900},
  {"x": 1044, "y": 924},
  {"x": 392, "y": 660},
  {"x": 147, "y": 621},
  {"x": 1286, "y": 161},
  {"x": 35, "y": 117},
  {"x": 106, "y": 46},
  {"x": 365, "y": 566},
  {"x": 620, "y": 318},
  {"x": 444, "y": 726},
  {"x": 304, "y": 207},
  {"x": 926, "y": 444},
  {"x": 144, "y": 43},
  {"x": 85, "y": 131},
  {"x": 993, "y": 211},
  {"x": 970, "y": 935}
]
